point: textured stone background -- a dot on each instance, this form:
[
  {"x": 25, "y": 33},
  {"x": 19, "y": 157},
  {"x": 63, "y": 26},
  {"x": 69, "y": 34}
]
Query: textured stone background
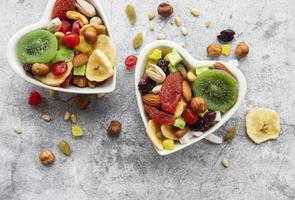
[{"x": 128, "y": 167}]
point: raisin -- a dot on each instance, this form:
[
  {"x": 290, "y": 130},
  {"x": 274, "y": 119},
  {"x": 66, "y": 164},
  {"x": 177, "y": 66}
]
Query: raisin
[
  {"x": 146, "y": 84},
  {"x": 28, "y": 68},
  {"x": 163, "y": 64},
  {"x": 226, "y": 35},
  {"x": 171, "y": 92},
  {"x": 159, "y": 116},
  {"x": 203, "y": 124}
]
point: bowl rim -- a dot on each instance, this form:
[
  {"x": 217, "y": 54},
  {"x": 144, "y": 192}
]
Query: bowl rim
[
  {"x": 16, "y": 66},
  {"x": 193, "y": 63}
]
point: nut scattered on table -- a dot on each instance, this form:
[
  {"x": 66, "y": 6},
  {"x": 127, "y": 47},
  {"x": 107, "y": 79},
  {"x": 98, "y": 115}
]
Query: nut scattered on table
[
  {"x": 99, "y": 96},
  {"x": 82, "y": 102},
  {"x": 208, "y": 24},
  {"x": 177, "y": 21},
  {"x": 214, "y": 50},
  {"x": 151, "y": 15},
  {"x": 151, "y": 26},
  {"x": 195, "y": 12},
  {"x": 52, "y": 93},
  {"x": 46, "y": 118},
  {"x": 225, "y": 163},
  {"x": 199, "y": 105},
  {"x": 231, "y": 133},
  {"x": 67, "y": 116},
  {"x": 46, "y": 157},
  {"x": 242, "y": 50},
  {"x": 161, "y": 36},
  {"x": 165, "y": 9},
  {"x": 114, "y": 128},
  {"x": 73, "y": 118},
  {"x": 18, "y": 130},
  {"x": 184, "y": 31}
]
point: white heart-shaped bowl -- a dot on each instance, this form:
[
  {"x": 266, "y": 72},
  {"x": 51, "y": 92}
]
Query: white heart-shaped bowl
[
  {"x": 107, "y": 87},
  {"x": 167, "y": 46}
]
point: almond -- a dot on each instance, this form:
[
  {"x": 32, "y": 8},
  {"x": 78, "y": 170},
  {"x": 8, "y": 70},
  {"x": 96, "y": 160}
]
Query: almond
[
  {"x": 152, "y": 99},
  {"x": 199, "y": 105},
  {"x": 80, "y": 59},
  {"x": 186, "y": 91},
  {"x": 219, "y": 65},
  {"x": 180, "y": 133}
]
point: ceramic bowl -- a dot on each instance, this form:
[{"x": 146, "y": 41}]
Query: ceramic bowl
[
  {"x": 166, "y": 46},
  {"x": 107, "y": 87}
]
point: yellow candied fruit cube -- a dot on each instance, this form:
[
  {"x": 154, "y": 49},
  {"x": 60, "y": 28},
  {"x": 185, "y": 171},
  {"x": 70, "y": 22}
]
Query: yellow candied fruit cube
[
  {"x": 168, "y": 144},
  {"x": 225, "y": 49},
  {"x": 83, "y": 46},
  {"x": 156, "y": 54},
  {"x": 77, "y": 131}
]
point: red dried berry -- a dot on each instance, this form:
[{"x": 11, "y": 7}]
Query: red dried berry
[
  {"x": 130, "y": 61},
  {"x": 171, "y": 92},
  {"x": 61, "y": 7},
  {"x": 71, "y": 40},
  {"x": 35, "y": 98},
  {"x": 76, "y": 27},
  {"x": 189, "y": 116},
  {"x": 159, "y": 116},
  {"x": 65, "y": 26},
  {"x": 59, "y": 68}
]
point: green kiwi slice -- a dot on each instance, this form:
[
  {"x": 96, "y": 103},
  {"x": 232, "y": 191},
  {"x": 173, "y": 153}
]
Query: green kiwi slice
[
  {"x": 38, "y": 46},
  {"x": 219, "y": 89}
]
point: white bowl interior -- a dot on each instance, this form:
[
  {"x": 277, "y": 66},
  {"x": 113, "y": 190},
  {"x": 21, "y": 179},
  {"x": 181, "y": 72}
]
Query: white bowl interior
[
  {"x": 106, "y": 87},
  {"x": 188, "y": 60}
]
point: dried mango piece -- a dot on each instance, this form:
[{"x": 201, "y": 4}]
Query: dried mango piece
[
  {"x": 225, "y": 49},
  {"x": 77, "y": 131}
]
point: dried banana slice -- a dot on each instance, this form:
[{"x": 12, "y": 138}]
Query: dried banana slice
[{"x": 262, "y": 124}]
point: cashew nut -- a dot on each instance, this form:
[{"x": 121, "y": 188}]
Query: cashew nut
[
  {"x": 101, "y": 29},
  {"x": 77, "y": 16}
]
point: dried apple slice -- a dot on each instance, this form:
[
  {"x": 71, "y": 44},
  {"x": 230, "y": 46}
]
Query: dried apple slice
[
  {"x": 151, "y": 130},
  {"x": 169, "y": 132}
]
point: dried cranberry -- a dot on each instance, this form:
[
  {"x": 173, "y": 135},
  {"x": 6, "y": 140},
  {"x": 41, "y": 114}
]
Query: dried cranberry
[
  {"x": 59, "y": 68},
  {"x": 226, "y": 35},
  {"x": 71, "y": 39},
  {"x": 189, "y": 116},
  {"x": 163, "y": 64},
  {"x": 65, "y": 26},
  {"x": 130, "y": 61},
  {"x": 146, "y": 84},
  {"x": 35, "y": 98},
  {"x": 76, "y": 27}
]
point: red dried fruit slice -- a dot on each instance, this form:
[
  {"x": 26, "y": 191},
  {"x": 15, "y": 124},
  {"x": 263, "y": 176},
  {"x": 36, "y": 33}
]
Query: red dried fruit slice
[
  {"x": 66, "y": 83},
  {"x": 171, "y": 92},
  {"x": 159, "y": 116},
  {"x": 61, "y": 7}
]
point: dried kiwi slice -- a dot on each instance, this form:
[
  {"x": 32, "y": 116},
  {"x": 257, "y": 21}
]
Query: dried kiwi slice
[
  {"x": 219, "y": 89},
  {"x": 38, "y": 46}
]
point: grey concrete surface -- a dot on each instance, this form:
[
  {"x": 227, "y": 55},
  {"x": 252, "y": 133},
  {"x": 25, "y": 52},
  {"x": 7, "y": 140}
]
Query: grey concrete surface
[{"x": 128, "y": 167}]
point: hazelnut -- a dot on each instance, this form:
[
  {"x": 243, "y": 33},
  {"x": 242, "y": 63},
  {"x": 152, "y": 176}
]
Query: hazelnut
[
  {"x": 242, "y": 50},
  {"x": 199, "y": 105},
  {"x": 40, "y": 69},
  {"x": 214, "y": 50},
  {"x": 82, "y": 102},
  {"x": 90, "y": 35},
  {"x": 80, "y": 81},
  {"x": 165, "y": 9},
  {"x": 47, "y": 157},
  {"x": 114, "y": 128}
]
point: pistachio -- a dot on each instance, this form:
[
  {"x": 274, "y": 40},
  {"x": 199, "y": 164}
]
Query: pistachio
[
  {"x": 231, "y": 133},
  {"x": 131, "y": 13},
  {"x": 54, "y": 25},
  {"x": 157, "y": 89},
  {"x": 65, "y": 148},
  {"x": 225, "y": 163},
  {"x": 85, "y": 8},
  {"x": 155, "y": 73}
]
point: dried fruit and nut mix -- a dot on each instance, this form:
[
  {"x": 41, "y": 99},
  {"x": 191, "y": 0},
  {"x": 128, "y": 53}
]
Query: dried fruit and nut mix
[
  {"x": 73, "y": 48},
  {"x": 179, "y": 98}
]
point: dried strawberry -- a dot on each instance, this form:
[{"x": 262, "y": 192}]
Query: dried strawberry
[
  {"x": 61, "y": 7},
  {"x": 171, "y": 92},
  {"x": 35, "y": 98},
  {"x": 159, "y": 116}
]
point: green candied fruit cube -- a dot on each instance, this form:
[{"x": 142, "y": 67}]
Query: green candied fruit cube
[
  {"x": 173, "y": 57},
  {"x": 172, "y": 68},
  {"x": 179, "y": 122},
  {"x": 63, "y": 54},
  {"x": 156, "y": 54},
  {"x": 80, "y": 70}
]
